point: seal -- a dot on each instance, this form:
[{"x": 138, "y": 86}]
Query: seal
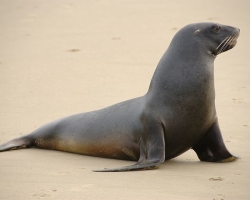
[{"x": 176, "y": 114}]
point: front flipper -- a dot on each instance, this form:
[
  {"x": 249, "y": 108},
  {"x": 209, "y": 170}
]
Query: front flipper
[
  {"x": 211, "y": 147},
  {"x": 137, "y": 166},
  {"x": 152, "y": 149}
]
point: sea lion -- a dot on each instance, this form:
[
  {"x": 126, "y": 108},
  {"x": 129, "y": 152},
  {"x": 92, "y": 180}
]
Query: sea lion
[{"x": 176, "y": 114}]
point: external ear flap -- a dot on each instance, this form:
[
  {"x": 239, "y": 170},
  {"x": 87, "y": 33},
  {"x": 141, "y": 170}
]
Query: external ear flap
[{"x": 197, "y": 32}]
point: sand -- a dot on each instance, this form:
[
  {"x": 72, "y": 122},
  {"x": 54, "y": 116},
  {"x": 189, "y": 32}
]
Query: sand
[{"x": 63, "y": 57}]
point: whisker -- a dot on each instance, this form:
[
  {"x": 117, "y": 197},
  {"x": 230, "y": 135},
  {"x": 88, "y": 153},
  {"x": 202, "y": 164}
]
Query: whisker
[
  {"x": 224, "y": 45},
  {"x": 234, "y": 37},
  {"x": 222, "y": 42},
  {"x": 229, "y": 43}
]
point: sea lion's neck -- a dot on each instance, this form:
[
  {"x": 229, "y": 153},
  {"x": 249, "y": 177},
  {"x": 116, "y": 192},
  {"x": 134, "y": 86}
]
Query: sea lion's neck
[{"x": 183, "y": 73}]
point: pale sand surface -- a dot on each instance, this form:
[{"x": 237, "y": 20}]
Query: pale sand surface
[{"x": 63, "y": 57}]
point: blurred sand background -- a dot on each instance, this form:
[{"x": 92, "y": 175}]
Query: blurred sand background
[{"x": 63, "y": 57}]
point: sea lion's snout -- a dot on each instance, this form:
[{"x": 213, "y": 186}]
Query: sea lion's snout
[
  {"x": 237, "y": 32},
  {"x": 229, "y": 41}
]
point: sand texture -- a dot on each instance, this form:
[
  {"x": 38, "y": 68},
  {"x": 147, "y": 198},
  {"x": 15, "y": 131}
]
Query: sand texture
[{"x": 61, "y": 57}]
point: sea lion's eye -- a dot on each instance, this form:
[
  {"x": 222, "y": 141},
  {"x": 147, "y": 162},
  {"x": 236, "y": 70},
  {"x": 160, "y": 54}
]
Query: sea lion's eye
[{"x": 216, "y": 28}]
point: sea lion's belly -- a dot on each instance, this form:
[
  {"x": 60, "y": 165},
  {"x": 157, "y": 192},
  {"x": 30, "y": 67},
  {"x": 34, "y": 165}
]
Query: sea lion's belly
[{"x": 112, "y": 132}]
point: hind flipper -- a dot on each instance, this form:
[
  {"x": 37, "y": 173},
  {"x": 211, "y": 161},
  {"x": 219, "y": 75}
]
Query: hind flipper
[
  {"x": 152, "y": 150},
  {"x": 18, "y": 143},
  {"x": 211, "y": 147}
]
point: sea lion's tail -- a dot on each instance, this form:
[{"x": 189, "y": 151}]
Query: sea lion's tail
[
  {"x": 18, "y": 143},
  {"x": 34, "y": 139}
]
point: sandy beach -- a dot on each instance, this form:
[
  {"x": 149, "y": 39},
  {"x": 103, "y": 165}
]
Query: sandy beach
[{"x": 63, "y": 57}]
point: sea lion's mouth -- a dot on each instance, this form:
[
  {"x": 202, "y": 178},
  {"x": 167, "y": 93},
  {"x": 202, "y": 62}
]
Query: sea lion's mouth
[{"x": 227, "y": 44}]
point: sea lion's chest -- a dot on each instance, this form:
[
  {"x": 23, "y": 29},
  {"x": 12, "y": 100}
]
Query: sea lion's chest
[{"x": 185, "y": 125}]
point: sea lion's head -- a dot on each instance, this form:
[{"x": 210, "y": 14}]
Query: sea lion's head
[
  {"x": 211, "y": 38},
  {"x": 216, "y": 38}
]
